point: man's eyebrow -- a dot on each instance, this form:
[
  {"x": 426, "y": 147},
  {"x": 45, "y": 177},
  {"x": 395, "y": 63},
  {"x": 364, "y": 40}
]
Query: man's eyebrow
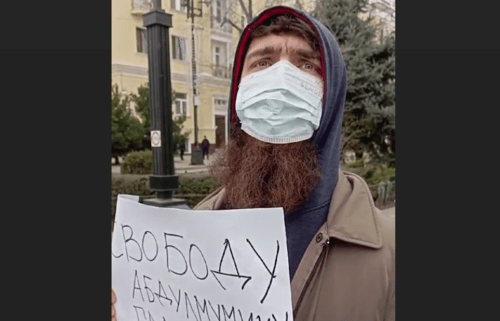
[
  {"x": 309, "y": 54},
  {"x": 261, "y": 52}
]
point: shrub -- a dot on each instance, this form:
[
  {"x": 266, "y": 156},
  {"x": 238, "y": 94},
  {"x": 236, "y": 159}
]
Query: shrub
[
  {"x": 379, "y": 174},
  {"x": 203, "y": 184},
  {"x": 358, "y": 163},
  {"x": 196, "y": 184},
  {"x": 369, "y": 173},
  {"x": 140, "y": 162},
  {"x": 373, "y": 176}
]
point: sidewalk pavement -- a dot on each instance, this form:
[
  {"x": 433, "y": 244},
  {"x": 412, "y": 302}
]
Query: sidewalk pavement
[{"x": 180, "y": 166}]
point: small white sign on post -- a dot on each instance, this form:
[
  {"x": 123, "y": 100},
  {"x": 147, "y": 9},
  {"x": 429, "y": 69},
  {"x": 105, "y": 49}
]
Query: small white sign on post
[
  {"x": 155, "y": 138},
  {"x": 174, "y": 264}
]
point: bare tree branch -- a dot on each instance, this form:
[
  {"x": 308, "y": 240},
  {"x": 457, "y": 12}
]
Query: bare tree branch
[
  {"x": 244, "y": 9},
  {"x": 232, "y": 24}
]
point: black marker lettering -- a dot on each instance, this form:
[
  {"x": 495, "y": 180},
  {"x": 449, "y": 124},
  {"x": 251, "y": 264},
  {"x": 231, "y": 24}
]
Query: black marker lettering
[
  {"x": 116, "y": 256},
  {"x": 138, "y": 287},
  {"x": 171, "y": 246},
  {"x": 238, "y": 275},
  {"x": 160, "y": 290},
  {"x": 232, "y": 313},
  {"x": 156, "y": 245},
  {"x": 128, "y": 240},
  {"x": 204, "y": 309},
  {"x": 150, "y": 317},
  {"x": 186, "y": 298},
  {"x": 274, "y": 268},
  {"x": 205, "y": 261},
  {"x": 137, "y": 314},
  {"x": 148, "y": 290},
  {"x": 178, "y": 301},
  {"x": 218, "y": 307}
]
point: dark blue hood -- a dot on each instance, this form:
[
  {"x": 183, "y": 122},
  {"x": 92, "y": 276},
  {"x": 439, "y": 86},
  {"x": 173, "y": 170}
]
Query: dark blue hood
[{"x": 304, "y": 223}]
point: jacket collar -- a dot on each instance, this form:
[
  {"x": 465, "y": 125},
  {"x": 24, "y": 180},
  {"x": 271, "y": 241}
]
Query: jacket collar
[
  {"x": 352, "y": 213},
  {"x": 351, "y": 216}
]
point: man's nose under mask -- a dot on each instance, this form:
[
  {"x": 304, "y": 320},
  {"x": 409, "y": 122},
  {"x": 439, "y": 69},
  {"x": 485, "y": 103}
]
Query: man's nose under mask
[{"x": 280, "y": 104}]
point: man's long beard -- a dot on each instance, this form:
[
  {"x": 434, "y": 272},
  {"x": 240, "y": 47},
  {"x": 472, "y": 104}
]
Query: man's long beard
[{"x": 258, "y": 174}]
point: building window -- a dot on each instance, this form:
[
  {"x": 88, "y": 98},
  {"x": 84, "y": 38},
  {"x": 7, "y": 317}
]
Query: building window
[
  {"x": 142, "y": 43},
  {"x": 218, "y": 11},
  {"x": 217, "y": 55},
  {"x": 141, "y": 4},
  {"x": 178, "y": 48},
  {"x": 179, "y": 5},
  {"x": 219, "y": 60},
  {"x": 221, "y": 102},
  {"x": 180, "y": 104}
]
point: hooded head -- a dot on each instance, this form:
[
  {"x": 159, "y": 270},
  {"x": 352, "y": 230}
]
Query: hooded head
[{"x": 326, "y": 139}]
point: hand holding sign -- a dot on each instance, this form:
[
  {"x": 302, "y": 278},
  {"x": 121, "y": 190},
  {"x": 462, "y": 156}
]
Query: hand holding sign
[
  {"x": 113, "y": 301},
  {"x": 172, "y": 264}
]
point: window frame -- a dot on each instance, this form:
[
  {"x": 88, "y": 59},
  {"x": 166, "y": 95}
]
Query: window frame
[
  {"x": 182, "y": 101},
  {"x": 142, "y": 40},
  {"x": 177, "y": 52}
]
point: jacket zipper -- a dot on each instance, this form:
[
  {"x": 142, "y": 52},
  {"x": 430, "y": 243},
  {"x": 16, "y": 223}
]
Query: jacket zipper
[{"x": 313, "y": 272}]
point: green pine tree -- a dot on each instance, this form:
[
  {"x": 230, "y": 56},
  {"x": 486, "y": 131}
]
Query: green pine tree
[
  {"x": 141, "y": 102},
  {"x": 126, "y": 130},
  {"x": 369, "y": 117}
]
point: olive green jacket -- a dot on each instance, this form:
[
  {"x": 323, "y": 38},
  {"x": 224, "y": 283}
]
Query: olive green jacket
[{"x": 348, "y": 270}]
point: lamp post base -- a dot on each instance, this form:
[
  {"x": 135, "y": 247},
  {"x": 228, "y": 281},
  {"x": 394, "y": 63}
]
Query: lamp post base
[
  {"x": 197, "y": 156},
  {"x": 172, "y": 202}
]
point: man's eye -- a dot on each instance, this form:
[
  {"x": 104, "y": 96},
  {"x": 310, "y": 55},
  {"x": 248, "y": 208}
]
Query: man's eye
[
  {"x": 308, "y": 66},
  {"x": 311, "y": 68},
  {"x": 262, "y": 64}
]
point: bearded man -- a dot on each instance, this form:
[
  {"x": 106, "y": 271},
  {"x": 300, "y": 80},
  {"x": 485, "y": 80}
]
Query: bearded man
[{"x": 286, "y": 104}]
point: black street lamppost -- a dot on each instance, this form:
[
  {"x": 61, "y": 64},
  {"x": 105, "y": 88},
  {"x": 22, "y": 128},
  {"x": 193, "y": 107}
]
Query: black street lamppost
[
  {"x": 163, "y": 181},
  {"x": 196, "y": 153}
]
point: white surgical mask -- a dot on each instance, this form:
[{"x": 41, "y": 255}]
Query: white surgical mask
[{"x": 280, "y": 104}]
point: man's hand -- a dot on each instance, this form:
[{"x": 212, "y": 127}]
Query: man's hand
[{"x": 113, "y": 301}]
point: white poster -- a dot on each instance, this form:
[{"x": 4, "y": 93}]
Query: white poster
[{"x": 174, "y": 264}]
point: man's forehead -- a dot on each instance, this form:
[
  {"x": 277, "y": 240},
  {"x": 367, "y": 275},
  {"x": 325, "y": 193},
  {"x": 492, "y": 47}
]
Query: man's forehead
[
  {"x": 267, "y": 48},
  {"x": 276, "y": 43}
]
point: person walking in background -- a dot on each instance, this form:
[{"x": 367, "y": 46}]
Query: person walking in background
[
  {"x": 182, "y": 149},
  {"x": 205, "y": 146}
]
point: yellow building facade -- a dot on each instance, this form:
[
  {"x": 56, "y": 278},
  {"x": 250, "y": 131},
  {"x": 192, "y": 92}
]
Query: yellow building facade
[{"x": 213, "y": 53}]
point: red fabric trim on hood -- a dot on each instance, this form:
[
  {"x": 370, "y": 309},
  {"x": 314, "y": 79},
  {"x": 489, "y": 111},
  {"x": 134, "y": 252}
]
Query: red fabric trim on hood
[{"x": 244, "y": 43}]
